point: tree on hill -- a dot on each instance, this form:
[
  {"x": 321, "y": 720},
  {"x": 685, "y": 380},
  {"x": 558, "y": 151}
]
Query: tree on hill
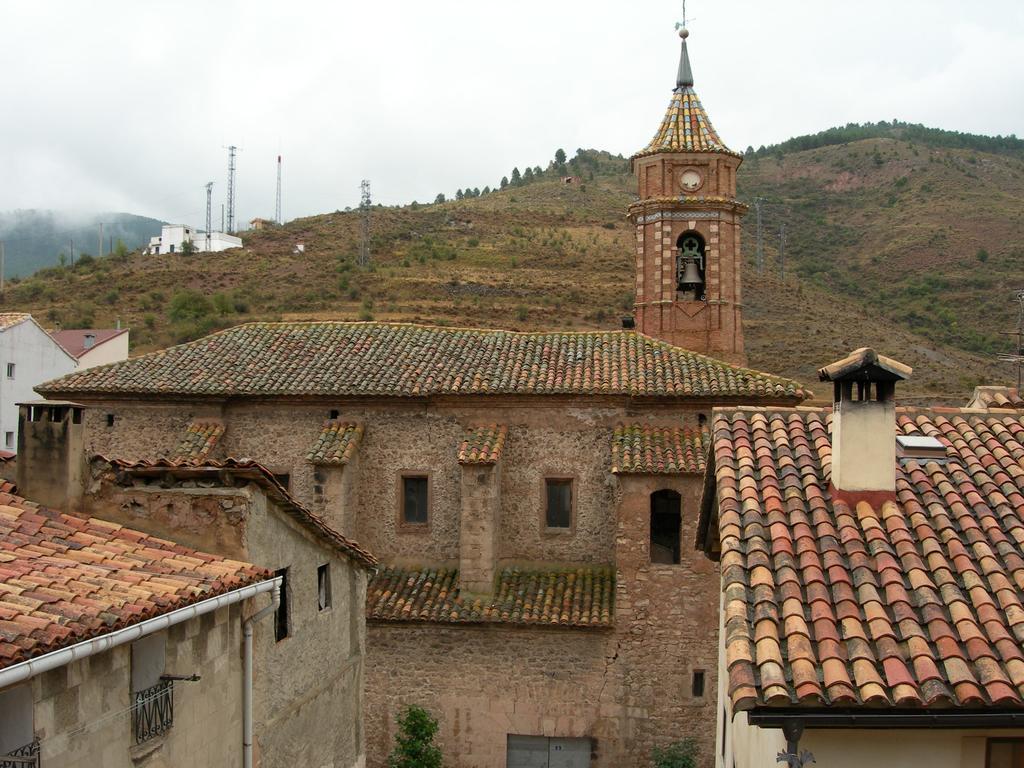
[
  {"x": 476, "y": 191},
  {"x": 188, "y": 248},
  {"x": 537, "y": 170},
  {"x": 487, "y": 190},
  {"x": 504, "y": 181},
  {"x": 440, "y": 198},
  {"x": 528, "y": 174},
  {"x": 560, "y": 157},
  {"x": 458, "y": 194},
  {"x": 414, "y": 742},
  {"x": 516, "y": 176}
]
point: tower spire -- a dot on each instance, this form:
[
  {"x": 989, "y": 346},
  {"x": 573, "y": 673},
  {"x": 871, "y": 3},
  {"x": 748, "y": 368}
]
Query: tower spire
[{"x": 684, "y": 78}]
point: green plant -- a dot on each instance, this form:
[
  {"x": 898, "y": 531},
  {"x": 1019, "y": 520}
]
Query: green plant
[
  {"x": 982, "y": 255},
  {"x": 678, "y": 754},
  {"x": 188, "y": 248},
  {"x": 189, "y": 305},
  {"x": 414, "y": 742}
]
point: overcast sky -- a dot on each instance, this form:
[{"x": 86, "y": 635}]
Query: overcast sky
[{"x": 127, "y": 105}]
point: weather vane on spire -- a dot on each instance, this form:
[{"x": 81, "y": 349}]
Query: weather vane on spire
[{"x": 682, "y": 24}]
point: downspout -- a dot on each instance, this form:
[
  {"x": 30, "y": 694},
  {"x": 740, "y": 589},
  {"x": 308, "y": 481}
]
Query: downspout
[{"x": 275, "y": 599}]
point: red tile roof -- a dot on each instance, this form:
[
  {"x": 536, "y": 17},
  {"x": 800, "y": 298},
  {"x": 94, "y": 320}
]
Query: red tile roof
[
  {"x": 578, "y": 596},
  {"x": 336, "y": 444},
  {"x": 11, "y": 319},
  {"x": 384, "y": 360},
  {"x": 917, "y": 601},
  {"x": 66, "y": 579},
  {"x": 483, "y": 445},
  {"x": 74, "y": 341},
  {"x": 996, "y": 397},
  {"x": 643, "y": 449},
  {"x": 198, "y": 440},
  {"x": 246, "y": 469}
]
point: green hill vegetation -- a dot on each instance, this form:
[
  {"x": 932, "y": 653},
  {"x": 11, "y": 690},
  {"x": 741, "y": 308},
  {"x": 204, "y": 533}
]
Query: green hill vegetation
[{"x": 909, "y": 245}]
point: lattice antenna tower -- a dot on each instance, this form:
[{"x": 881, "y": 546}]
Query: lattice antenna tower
[
  {"x": 209, "y": 213},
  {"x": 232, "y": 151},
  {"x": 364, "y": 222},
  {"x": 277, "y": 206},
  {"x": 1018, "y": 357}
]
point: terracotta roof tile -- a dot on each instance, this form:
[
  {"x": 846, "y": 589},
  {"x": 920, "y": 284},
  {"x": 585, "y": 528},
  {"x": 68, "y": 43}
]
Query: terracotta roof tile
[
  {"x": 336, "y": 444},
  {"x": 650, "y": 450},
  {"x": 483, "y": 445},
  {"x": 685, "y": 127},
  {"x": 996, "y": 397},
  {"x": 384, "y": 360},
  {"x": 579, "y": 596},
  {"x": 55, "y": 593},
  {"x": 198, "y": 440},
  {"x": 916, "y": 601},
  {"x": 11, "y": 319}
]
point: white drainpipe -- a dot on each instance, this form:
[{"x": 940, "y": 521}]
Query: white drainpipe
[
  {"x": 24, "y": 670},
  {"x": 247, "y": 686}
]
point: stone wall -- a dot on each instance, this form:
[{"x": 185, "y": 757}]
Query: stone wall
[
  {"x": 82, "y": 710},
  {"x": 311, "y": 677},
  {"x": 629, "y": 688}
]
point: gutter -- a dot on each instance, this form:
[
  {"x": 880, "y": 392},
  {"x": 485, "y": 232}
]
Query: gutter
[
  {"x": 882, "y": 718},
  {"x": 247, "y": 625},
  {"x": 25, "y": 670}
]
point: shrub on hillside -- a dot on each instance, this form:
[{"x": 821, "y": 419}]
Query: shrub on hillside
[
  {"x": 189, "y": 306},
  {"x": 414, "y": 742}
]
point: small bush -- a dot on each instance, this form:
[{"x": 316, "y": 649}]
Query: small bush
[
  {"x": 982, "y": 255},
  {"x": 189, "y": 306},
  {"x": 474, "y": 242},
  {"x": 679, "y": 754},
  {"x": 414, "y": 742}
]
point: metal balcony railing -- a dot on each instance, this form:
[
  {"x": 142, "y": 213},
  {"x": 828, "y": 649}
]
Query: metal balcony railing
[
  {"x": 23, "y": 757},
  {"x": 154, "y": 711}
]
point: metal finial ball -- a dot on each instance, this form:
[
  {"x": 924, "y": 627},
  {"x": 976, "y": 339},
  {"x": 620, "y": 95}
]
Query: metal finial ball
[{"x": 684, "y": 32}]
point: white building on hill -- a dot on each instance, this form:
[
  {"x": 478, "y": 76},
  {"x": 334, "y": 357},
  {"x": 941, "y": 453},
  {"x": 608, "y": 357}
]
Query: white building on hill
[
  {"x": 173, "y": 236},
  {"x": 28, "y": 356}
]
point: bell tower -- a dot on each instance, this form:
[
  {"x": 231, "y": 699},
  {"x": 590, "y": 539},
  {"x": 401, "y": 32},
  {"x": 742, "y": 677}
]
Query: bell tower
[{"x": 687, "y": 221}]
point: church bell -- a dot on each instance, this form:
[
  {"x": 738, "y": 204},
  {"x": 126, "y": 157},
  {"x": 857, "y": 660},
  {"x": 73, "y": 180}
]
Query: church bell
[{"x": 691, "y": 275}]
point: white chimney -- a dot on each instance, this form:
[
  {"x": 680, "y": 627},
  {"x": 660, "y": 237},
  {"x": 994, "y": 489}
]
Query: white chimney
[
  {"x": 90, "y": 341},
  {"x": 864, "y": 420}
]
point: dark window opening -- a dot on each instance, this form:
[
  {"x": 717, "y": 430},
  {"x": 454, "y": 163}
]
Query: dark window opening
[
  {"x": 697, "y": 684},
  {"x": 9, "y": 439},
  {"x": 284, "y": 479},
  {"x": 415, "y": 490},
  {"x": 702, "y": 419},
  {"x": 1004, "y": 753},
  {"x": 76, "y": 415},
  {"x": 558, "y": 507},
  {"x": 281, "y": 628},
  {"x": 334, "y": 414},
  {"x": 110, "y": 419},
  {"x": 10, "y": 370},
  {"x": 690, "y": 267},
  {"x": 666, "y": 521},
  {"x": 323, "y": 587}
]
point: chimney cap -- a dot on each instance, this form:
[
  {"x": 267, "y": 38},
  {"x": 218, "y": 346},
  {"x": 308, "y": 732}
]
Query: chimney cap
[{"x": 865, "y": 364}]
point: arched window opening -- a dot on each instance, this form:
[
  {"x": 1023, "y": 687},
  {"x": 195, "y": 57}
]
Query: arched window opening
[
  {"x": 690, "y": 267},
  {"x": 666, "y": 522}
]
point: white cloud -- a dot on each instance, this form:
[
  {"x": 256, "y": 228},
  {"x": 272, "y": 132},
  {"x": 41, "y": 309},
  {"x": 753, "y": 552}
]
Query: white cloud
[{"x": 127, "y": 105}]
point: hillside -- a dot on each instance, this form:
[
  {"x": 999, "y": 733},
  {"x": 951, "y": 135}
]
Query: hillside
[
  {"x": 909, "y": 247},
  {"x": 35, "y": 239}
]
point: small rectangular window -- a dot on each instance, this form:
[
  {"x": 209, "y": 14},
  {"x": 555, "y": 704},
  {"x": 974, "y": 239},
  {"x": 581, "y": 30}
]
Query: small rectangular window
[
  {"x": 558, "y": 503},
  {"x": 9, "y": 439},
  {"x": 1004, "y": 753},
  {"x": 281, "y": 628},
  {"x": 323, "y": 587},
  {"x": 284, "y": 479},
  {"x": 10, "y": 370},
  {"x": 17, "y": 728},
  {"x": 697, "y": 684},
  {"x": 110, "y": 419},
  {"x": 415, "y": 497}
]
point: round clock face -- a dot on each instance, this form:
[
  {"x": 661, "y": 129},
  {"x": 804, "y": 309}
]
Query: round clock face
[{"x": 690, "y": 180}]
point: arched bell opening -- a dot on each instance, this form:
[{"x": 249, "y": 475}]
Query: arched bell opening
[{"x": 690, "y": 267}]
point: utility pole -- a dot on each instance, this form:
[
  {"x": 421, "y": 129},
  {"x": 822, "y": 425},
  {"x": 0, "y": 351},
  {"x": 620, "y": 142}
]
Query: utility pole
[
  {"x": 2, "y": 265},
  {"x": 231, "y": 188},
  {"x": 71, "y": 244},
  {"x": 99, "y": 252},
  {"x": 782, "y": 250},
  {"x": 364, "y": 216},
  {"x": 222, "y": 217},
  {"x": 760, "y": 243},
  {"x": 277, "y": 208},
  {"x": 1018, "y": 358},
  {"x": 209, "y": 212}
]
